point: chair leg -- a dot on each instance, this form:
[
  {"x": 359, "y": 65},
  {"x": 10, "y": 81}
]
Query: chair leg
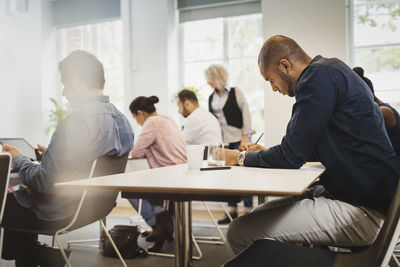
[
  {"x": 140, "y": 206},
  {"x": 212, "y": 239},
  {"x": 227, "y": 212},
  {"x": 166, "y": 204},
  {"x": 1, "y": 242},
  {"x": 196, "y": 245},
  {"x": 76, "y": 243},
  {"x": 55, "y": 237},
  {"x": 169, "y": 255},
  {"x": 102, "y": 231},
  {"x": 83, "y": 242},
  {"x": 395, "y": 260},
  {"x": 112, "y": 243}
]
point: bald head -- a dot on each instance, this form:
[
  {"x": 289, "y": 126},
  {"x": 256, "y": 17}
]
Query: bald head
[
  {"x": 281, "y": 62},
  {"x": 281, "y": 47}
]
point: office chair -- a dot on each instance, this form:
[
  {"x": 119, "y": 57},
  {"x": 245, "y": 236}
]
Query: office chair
[
  {"x": 93, "y": 206},
  {"x": 5, "y": 167},
  {"x": 287, "y": 254}
]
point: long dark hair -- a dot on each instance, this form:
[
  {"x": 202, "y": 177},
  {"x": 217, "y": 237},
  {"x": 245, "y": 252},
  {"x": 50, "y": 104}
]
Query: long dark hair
[{"x": 143, "y": 103}]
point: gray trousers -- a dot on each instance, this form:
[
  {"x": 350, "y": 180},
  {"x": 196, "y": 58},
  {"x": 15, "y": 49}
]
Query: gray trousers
[{"x": 313, "y": 217}]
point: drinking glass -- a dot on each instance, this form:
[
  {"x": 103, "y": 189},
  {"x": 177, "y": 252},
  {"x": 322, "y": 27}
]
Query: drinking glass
[{"x": 216, "y": 155}]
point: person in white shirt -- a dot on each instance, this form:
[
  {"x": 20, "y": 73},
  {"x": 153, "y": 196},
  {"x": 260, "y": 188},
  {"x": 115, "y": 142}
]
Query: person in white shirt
[{"x": 201, "y": 127}]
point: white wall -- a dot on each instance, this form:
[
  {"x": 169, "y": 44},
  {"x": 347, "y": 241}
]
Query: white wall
[
  {"x": 28, "y": 66},
  {"x": 28, "y": 69},
  {"x": 153, "y": 66},
  {"x": 21, "y": 63},
  {"x": 319, "y": 27},
  {"x": 51, "y": 86}
]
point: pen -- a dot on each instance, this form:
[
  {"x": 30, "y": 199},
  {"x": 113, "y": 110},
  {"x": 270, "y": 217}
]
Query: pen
[
  {"x": 240, "y": 149},
  {"x": 215, "y": 168},
  {"x": 259, "y": 138}
]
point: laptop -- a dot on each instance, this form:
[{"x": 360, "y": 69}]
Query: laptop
[{"x": 22, "y": 145}]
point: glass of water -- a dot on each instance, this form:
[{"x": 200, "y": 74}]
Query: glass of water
[{"x": 216, "y": 155}]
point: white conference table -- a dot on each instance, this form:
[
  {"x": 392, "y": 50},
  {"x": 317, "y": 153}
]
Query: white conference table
[{"x": 181, "y": 185}]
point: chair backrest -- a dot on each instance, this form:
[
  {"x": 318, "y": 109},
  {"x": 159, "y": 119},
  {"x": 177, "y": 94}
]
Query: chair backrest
[
  {"x": 5, "y": 167},
  {"x": 99, "y": 203},
  {"x": 110, "y": 165},
  {"x": 380, "y": 252},
  {"x": 383, "y": 247}
]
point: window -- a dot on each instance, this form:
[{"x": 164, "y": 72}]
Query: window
[
  {"x": 104, "y": 40},
  {"x": 233, "y": 42},
  {"x": 376, "y": 43}
]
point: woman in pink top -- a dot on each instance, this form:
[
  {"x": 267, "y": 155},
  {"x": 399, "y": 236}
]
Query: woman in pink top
[{"x": 162, "y": 144}]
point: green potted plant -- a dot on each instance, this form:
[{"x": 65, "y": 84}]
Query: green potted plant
[{"x": 57, "y": 114}]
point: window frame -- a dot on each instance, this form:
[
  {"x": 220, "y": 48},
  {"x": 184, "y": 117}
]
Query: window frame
[
  {"x": 225, "y": 60},
  {"x": 225, "y": 44},
  {"x": 96, "y": 50},
  {"x": 352, "y": 47}
]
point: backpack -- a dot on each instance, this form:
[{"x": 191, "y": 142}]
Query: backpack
[{"x": 125, "y": 238}]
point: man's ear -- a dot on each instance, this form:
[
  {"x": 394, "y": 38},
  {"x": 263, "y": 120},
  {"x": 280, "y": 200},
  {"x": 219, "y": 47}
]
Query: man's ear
[
  {"x": 186, "y": 104},
  {"x": 284, "y": 65}
]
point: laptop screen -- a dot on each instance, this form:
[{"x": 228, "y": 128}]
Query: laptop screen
[{"x": 20, "y": 143}]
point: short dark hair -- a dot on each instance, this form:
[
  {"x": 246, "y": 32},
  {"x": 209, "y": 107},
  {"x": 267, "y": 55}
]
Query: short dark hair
[
  {"x": 278, "y": 47},
  {"x": 186, "y": 94},
  {"x": 359, "y": 71},
  {"x": 85, "y": 66},
  {"x": 143, "y": 103}
]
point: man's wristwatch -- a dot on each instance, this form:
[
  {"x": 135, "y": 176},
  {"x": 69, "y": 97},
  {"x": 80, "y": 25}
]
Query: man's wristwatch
[{"x": 241, "y": 157}]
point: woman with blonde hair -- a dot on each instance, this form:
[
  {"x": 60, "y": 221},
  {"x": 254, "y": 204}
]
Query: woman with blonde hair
[{"x": 230, "y": 107}]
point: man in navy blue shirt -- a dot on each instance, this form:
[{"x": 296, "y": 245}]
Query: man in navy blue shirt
[
  {"x": 93, "y": 128},
  {"x": 336, "y": 121}
]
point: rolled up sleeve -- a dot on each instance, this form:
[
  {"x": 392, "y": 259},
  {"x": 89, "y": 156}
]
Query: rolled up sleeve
[{"x": 145, "y": 140}]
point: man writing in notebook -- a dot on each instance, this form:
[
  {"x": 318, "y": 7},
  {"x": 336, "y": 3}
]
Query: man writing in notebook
[{"x": 336, "y": 121}]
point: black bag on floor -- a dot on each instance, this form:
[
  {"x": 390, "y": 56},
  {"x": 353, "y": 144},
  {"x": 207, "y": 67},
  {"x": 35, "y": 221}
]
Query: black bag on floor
[{"x": 125, "y": 238}]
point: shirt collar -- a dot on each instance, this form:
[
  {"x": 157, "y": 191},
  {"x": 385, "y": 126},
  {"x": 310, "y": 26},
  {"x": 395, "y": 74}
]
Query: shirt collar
[
  {"x": 225, "y": 90},
  {"x": 196, "y": 110},
  {"x": 312, "y": 61},
  {"x": 91, "y": 99}
]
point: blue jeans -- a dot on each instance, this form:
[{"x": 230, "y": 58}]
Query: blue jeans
[
  {"x": 148, "y": 212},
  {"x": 247, "y": 201}
]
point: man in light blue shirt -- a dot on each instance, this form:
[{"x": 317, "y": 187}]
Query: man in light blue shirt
[{"x": 93, "y": 128}]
